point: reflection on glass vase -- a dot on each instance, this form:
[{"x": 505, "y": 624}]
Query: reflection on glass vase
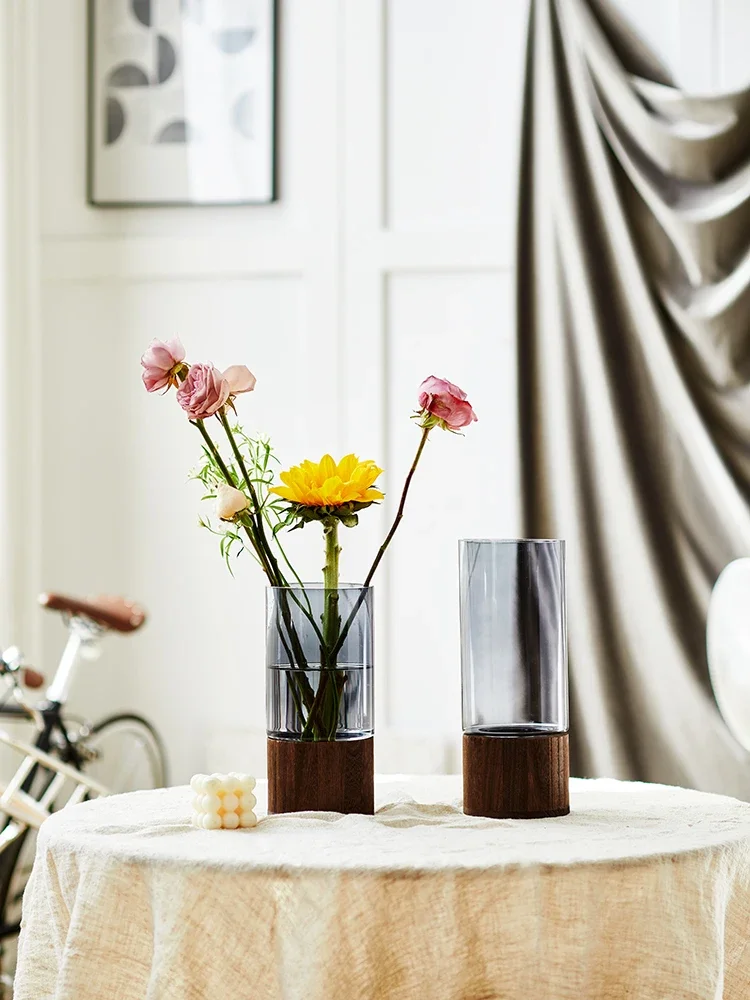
[
  {"x": 319, "y": 698},
  {"x": 514, "y": 675}
]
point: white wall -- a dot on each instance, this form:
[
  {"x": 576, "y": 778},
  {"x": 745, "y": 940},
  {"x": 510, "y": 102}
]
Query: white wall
[
  {"x": 255, "y": 285},
  {"x": 704, "y": 42},
  {"x": 388, "y": 258}
]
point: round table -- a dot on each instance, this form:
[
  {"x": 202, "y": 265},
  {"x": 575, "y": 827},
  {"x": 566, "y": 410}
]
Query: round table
[{"x": 642, "y": 891}]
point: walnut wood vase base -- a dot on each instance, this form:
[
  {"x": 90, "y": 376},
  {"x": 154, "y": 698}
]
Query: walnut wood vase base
[
  {"x": 335, "y": 776},
  {"x": 516, "y": 777}
]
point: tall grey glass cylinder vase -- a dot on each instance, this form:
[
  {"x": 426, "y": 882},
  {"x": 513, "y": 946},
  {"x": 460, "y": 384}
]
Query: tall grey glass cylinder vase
[{"x": 514, "y": 677}]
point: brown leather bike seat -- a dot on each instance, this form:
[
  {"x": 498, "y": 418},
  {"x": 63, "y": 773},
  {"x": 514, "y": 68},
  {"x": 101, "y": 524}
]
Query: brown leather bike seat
[{"x": 111, "y": 612}]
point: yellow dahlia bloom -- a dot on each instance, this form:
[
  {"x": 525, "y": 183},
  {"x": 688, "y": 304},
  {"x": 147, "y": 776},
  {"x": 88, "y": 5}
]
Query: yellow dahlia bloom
[{"x": 326, "y": 484}]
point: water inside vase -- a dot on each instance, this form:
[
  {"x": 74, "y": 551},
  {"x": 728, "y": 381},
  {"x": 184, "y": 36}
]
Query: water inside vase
[
  {"x": 519, "y": 729},
  {"x": 319, "y": 704}
]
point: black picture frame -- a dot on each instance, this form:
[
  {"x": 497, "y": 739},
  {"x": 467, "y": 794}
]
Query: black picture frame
[{"x": 178, "y": 203}]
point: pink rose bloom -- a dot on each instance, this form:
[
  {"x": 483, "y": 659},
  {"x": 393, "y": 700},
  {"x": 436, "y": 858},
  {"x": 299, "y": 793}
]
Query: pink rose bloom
[
  {"x": 446, "y": 403},
  {"x": 159, "y": 363},
  {"x": 240, "y": 379},
  {"x": 204, "y": 392}
]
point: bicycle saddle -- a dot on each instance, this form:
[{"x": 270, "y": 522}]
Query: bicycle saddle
[{"x": 111, "y": 612}]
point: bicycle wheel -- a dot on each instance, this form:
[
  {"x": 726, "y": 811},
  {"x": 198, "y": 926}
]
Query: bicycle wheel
[{"x": 125, "y": 753}]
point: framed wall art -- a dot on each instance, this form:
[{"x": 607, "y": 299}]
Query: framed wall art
[{"x": 182, "y": 102}]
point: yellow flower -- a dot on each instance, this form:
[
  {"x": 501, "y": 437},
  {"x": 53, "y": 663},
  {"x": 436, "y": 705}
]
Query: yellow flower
[{"x": 326, "y": 484}]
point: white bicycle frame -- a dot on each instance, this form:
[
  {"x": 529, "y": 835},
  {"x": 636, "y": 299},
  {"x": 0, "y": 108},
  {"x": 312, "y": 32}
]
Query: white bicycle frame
[
  {"x": 23, "y": 808},
  {"x": 83, "y": 641}
]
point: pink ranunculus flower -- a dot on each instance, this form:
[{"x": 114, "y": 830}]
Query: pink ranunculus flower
[
  {"x": 443, "y": 403},
  {"x": 240, "y": 379},
  {"x": 162, "y": 362},
  {"x": 204, "y": 392}
]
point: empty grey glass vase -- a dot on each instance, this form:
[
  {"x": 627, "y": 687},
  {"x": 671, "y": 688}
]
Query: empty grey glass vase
[{"x": 514, "y": 669}]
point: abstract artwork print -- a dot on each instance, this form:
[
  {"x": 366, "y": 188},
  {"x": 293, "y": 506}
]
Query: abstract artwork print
[{"x": 181, "y": 102}]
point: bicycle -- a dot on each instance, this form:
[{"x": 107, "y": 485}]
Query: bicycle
[{"x": 122, "y": 752}]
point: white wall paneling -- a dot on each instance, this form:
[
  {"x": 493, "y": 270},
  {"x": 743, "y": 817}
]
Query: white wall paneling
[
  {"x": 698, "y": 35},
  {"x": 732, "y": 36},
  {"x": 658, "y": 24},
  {"x": 450, "y": 137},
  {"x": 388, "y": 257},
  {"x": 704, "y": 42},
  {"x": 256, "y": 285},
  {"x": 20, "y": 423},
  {"x": 429, "y": 214},
  {"x": 466, "y": 487}
]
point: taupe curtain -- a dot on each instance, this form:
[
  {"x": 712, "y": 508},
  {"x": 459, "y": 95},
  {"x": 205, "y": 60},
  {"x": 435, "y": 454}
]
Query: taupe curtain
[{"x": 634, "y": 362}]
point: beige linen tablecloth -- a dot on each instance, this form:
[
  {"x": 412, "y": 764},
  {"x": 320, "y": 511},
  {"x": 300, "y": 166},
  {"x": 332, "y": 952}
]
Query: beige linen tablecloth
[{"x": 643, "y": 891}]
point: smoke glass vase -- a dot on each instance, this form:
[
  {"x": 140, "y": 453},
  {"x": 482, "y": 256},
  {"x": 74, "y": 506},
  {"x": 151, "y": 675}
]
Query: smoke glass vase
[
  {"x": 514, "y": 674},
  {"x": 319, "y": 698}
]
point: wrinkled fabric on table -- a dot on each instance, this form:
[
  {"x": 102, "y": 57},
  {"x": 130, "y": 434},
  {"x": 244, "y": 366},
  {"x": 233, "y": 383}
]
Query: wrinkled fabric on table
[{"x": 643, "y": 891}]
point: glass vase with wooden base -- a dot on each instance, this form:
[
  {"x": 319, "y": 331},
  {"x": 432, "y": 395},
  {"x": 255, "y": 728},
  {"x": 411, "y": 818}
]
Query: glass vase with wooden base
[
  {"x": 319, "y": 699},
  {"x": 514, "y": 678}
]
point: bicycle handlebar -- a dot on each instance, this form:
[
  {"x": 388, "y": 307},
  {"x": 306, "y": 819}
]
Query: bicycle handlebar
[{"x": 13, "y": 667}]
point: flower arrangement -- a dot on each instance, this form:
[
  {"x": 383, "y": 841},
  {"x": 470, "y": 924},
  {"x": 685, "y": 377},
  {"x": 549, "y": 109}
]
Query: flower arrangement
[{"x": 253, "y": 511}]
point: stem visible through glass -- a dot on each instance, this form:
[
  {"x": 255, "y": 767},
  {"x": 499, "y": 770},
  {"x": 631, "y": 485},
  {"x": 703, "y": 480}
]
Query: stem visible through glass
[
  {"x": 331, "y": 584},
  {"x": 301, "y": 689},
  {"x": 324, "y": 710},
  {"x": 384, "y": 546}
]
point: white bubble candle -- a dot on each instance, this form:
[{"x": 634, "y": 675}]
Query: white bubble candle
[{"x": 223, "y": 801}]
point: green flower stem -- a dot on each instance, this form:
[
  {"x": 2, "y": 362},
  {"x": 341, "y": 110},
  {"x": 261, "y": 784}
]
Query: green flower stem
[
  {"x": 325, "y": 709},
  {"x": 213, "y": 449},
  {"x": 263, "y": 543},
  {"x": 333, "y": 551},
  {"x": 402, "y": 504},
  {"x": 321, "y": 694},
  {"x": 338, "y": 690},
  {"x": 296, "y": 688},
  {"x": 386, "y": 543},
  {"x": 331, "y": 626},
  {"x": 307, "y": 609},
  {"x": 271, "y": 572},
  {"x": 299, "y": 678},
  {"x": 228, "y": 477},
  {"x": 262, "y": 540},
  {"x": 331, "y": 619},
  {"x": 290, "y": 567}
]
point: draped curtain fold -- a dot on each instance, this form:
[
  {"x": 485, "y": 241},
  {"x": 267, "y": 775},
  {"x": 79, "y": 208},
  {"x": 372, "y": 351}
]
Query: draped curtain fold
[{"x": 633, "y": 306}]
